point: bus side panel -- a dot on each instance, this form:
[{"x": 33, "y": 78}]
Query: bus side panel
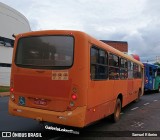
[
  {"x": 80, "y": 70},
  {"x": 102, "y": 97},
  {"x": 157, "y": 82},
  {"x": 149, "y": 80},
  {"x": 120, "y": 87},
  {"x": 99, "y": 100},
  {"x": 136, "y": 86},
  {"x": 129, "y": 90},
  {"x": 98, "y": 112},
  {"x": 150, "y": 76}
]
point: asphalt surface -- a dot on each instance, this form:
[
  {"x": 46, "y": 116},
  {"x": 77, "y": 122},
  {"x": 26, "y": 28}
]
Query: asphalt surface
[{"x": 141, "y": 117}]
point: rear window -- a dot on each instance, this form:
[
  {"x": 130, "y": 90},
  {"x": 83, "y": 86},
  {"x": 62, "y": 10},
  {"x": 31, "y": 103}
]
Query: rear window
[{"x": 45, "y": 52}]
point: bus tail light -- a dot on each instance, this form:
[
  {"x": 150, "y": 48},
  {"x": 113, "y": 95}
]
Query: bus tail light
[
  {"x": 11, "y": 89},
  {"x": 11, "y": 94},
  {"x": 72, "y": 102},
  {"x": 73, "y": 99},
  {"x": 74, "y": 96}
]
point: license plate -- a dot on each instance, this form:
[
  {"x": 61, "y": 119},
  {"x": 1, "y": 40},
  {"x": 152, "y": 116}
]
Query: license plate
[{"x": 40, "y": 102}]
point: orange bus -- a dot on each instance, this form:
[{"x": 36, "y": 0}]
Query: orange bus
[{"x": 70, "y": 78}]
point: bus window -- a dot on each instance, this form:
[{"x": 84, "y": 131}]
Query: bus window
[
  {"x": 122, "y": 63},
  {"x": 115, "y": 60},
  {"x": 102, "y": 59},
  {"x": 99, "y": 68},
  {"x": 114, "y": 71},
  {"x": 150, "y": 71},
  {"x": 130, "y": 69},
  {"x": 94, "y": 55},
  {"x": 135, "y": 70},
  {"x": 123, "y": 69},
  {"x": 45, "y": 52}
]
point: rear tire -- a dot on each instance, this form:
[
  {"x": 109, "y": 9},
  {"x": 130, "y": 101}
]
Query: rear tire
[{"x": 116, "y": 115}]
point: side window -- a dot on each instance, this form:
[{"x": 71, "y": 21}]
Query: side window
[
  {"x": 122, "y": 63},
  {"x": 135, "y": 69},
  {"x": 113, "y": 60},
  {"x": 130, "y": 69},
  {"x": 116, "y": 60},
  {"x": 123, "y": 69},
  {"x": 94, "y": 55},
  {"x": 102, "y": 57},
  {"x": 150, "y": 71},
  {"x": 99, "y": 67},
  {"x": 114, "y": 71}
]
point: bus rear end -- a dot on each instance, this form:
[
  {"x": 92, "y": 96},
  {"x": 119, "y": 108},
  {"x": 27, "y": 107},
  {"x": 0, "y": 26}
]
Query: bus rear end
[
  {"x": 150, "y": 75},
  {"x": 43, "y": 83}
]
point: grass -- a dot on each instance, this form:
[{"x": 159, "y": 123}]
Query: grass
[{"x": 4, "y": 88}]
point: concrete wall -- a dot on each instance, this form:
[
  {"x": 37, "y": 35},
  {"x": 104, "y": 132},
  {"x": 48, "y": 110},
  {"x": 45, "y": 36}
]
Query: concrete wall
[
  {"x": 11, "y": 22},
  {"x": 5, "y": 54},
  {"x": 5, "y": 76}
]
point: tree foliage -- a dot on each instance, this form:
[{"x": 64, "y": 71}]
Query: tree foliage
[{"x": 157, "y": 63}]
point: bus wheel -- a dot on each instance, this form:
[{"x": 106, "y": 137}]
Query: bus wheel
[{"x": 117, "y": 111}]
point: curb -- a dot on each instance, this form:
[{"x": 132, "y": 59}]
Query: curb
[{"x": 3, "y": 94}]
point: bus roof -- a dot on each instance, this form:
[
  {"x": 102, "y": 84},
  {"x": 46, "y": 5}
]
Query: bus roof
[
  {"x": 90, "y": 39},
  {"x": 151, "y": 65}
]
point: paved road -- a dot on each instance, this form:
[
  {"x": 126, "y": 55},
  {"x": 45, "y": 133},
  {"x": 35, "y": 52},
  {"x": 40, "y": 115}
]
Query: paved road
[
  {"x": 12, "y": 123},
  {"x": 141, "y": 116}
]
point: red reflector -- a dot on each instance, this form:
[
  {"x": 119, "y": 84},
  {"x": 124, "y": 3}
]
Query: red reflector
[
  {"x": 74, "y": 96},
  {"x": 11, "y": 89}
]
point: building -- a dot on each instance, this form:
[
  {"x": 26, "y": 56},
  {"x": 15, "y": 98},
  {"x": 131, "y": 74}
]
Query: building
[
  {"x": 119, "y": 45},
  {"x": 12, "y": 22}
]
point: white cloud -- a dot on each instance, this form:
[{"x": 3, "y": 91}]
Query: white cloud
[{"x": 135, "y": 21}]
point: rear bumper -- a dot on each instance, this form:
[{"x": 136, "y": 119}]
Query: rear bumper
[{"x": 70, "y": 118}]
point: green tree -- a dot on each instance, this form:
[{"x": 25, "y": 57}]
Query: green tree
[{"x": 157, "y": 63}]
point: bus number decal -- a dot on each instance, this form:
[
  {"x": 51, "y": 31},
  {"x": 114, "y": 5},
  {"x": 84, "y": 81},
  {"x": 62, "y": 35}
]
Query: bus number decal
[{"x": 59, "y": 75}]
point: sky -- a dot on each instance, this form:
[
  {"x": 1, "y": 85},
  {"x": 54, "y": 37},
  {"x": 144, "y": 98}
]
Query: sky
[{"x": 134, "y": 21}]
